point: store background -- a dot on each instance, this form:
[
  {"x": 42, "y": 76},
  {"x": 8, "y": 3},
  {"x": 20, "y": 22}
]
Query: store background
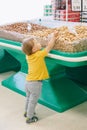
[{"x": 19, "y": 10}]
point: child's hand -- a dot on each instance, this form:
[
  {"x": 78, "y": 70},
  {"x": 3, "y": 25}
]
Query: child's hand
[
  {"x": 54, "y": 35},
  {"x": 52, "y": 40}
]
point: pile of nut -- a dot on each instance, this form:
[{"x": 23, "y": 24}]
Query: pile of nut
[
  {"x": 65, "y": 41},
  {"x": 16, "y": 27},
  {"x": 22, "y": 27},
  {"x": 69, "y": 42}
]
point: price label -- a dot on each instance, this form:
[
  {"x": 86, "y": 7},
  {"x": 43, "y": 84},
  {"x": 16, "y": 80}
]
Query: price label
[
  {"x": 84, "y": 8},
  {"x": 76, "y": 5}
]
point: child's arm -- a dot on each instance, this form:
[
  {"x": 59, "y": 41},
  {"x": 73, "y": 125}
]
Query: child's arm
[{"x": 51, "y": 42}]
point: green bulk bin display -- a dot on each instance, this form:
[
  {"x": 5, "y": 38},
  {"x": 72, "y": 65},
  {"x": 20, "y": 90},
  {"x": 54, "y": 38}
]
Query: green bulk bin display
[{"x": 61, "y": 92}]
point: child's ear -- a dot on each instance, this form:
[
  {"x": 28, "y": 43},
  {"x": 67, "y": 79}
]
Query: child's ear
[{"x": 33, "y": 49}]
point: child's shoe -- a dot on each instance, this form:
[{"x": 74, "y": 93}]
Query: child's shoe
[{"x": 33, "y": 119}]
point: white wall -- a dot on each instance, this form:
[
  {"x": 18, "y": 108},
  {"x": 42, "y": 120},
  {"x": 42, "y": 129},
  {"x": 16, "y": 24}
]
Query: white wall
[{"x": 19, "y": 10}]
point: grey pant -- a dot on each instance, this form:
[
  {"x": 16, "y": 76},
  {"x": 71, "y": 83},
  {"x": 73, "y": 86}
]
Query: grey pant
[{"x": 33, "y": 90}]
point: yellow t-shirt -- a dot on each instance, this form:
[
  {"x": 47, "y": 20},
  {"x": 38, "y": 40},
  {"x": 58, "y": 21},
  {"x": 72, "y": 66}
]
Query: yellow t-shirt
[{"x": 37, "y": 67}]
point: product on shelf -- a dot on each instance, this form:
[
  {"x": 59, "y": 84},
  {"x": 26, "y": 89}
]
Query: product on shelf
[
  {"x": 61, "y": 13},
  {"x": 47, "y": 10}
]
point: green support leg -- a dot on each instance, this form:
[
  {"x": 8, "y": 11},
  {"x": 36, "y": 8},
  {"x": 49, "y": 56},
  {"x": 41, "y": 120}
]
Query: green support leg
[{"x": 59, "y": 93}]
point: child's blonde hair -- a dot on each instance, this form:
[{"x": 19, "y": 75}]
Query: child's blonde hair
[{"x": 28, "y": 46}]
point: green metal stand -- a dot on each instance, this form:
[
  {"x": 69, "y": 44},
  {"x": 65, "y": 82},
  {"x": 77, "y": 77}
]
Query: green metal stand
[{"x": 60, "y": 92}]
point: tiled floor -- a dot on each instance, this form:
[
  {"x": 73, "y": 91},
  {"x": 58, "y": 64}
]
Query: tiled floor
[{"x": 12, "y": 109}]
